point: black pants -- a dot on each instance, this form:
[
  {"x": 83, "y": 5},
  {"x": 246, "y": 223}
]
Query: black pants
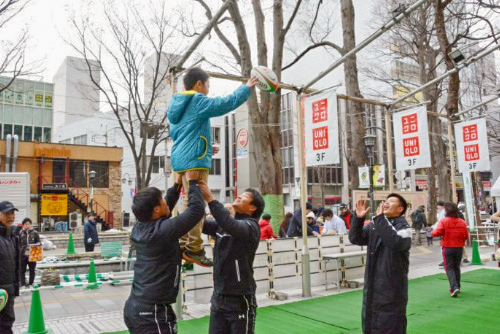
[
  {"x": 143, "y": 318},
  {"x": 7, "y": 316},
  {"x": 232, "y": 314},
  {"x": 31, "y": 266},
  {"x": 89, "y": 247},
  {"x": 452, "y": 258},
  {"x": 429, "y": 241}
]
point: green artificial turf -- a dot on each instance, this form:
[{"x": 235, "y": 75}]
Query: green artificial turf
[{"x": 430, "y": 310}]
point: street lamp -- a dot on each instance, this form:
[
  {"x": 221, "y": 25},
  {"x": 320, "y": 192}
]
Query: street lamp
[
  {"x": 127, "y": 178},
  {"x": 369, "y": 139},
  {"x": 92, "y": 175}
]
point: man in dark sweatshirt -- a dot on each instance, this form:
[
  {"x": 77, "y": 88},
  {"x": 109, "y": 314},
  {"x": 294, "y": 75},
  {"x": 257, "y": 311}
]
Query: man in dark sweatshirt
[
  {"x": 236, "y": 241},
  {"x": 158, "y": 265}
]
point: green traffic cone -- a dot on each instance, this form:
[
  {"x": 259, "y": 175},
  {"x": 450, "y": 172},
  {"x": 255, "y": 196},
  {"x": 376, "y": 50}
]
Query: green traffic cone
[
  {"x": 37, "y": 323},
  {"x": 71, "y": 245},
  {"x": 92, "y": 282},
  {"x": 476, "y": 258}
]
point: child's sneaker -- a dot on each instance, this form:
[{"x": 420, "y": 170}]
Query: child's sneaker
[
  {"x": 455, "y": 292},
  {"x": 199, "y": 259}
]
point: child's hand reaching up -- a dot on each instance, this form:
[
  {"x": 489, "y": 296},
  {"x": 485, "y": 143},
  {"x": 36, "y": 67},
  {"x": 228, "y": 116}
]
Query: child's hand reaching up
[{"x": 252, "y": 82}]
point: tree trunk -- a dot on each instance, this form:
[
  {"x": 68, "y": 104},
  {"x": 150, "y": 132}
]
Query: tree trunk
[{"x": 357, "y": 156}]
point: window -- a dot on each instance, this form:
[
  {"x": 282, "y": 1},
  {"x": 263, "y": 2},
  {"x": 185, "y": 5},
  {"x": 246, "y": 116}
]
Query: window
[
  {"x": 65, "y": 141},
  {"x": 101, "y": 168},
  {"x": 80, "y": 140},
  {"x": 7, "y": 130},
  {"x": 216, "y": 167},
  {"x": 46, "y": 135},
  {"x": 59, "y": 171},
  {"x": 38, "y": 134},
  {"x": 28, "y": 133},
  {"x": 1, "y": 131},
  {"x": 18, "y": 130},
  {"x": 157, "y": 164},
  {"x": 77, "y": 174},
  {"x": 216, "y": 135}
]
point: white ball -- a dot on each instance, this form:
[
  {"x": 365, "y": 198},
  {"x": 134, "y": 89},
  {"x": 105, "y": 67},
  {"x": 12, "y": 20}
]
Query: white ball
[{"x": 268, "y": 81}]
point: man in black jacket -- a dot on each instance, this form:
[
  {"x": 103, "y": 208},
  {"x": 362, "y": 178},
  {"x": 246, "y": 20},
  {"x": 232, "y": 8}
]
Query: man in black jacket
[
  {"x": 388, "y": 239},
  {"x": 295, "y": 227},
  {"x": 158, "y": 266},
  {"x": 236, "y": 241},
  {"x": 9, "y": 264}
]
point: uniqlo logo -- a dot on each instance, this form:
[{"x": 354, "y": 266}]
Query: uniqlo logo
[
  {"x": 320, "y": 138},
  {"x": 471, "y": 152},
  {"x": 410, "y": 123},
  {"x": 320, "y": 111},
  {"x": 470, "y": 132},
  {"x": 411, "y": 147}
]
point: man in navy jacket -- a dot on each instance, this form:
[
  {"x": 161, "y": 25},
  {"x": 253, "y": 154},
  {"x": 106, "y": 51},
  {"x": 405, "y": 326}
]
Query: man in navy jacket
[
  {"x": 236, "y": 241},
  {"x": 90, "y": 237}
]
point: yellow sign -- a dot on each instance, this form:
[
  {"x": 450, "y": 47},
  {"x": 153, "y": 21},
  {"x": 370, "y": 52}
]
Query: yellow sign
[
  {"x": 54, "y": 205},
  {"x": 400, "y": 91}
]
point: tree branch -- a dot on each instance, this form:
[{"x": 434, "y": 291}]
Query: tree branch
[{"x": 312, "y": 47}]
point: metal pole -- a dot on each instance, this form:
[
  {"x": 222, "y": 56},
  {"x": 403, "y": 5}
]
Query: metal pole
[
  {"x": 370, "y": 194},
  {"x": 306, "y": 266},
  {"x": 388, "y": 141},
  {"x": 452, "y": 163},
  {"x": 203, "y": 34},
  {"x": 447, "y": 74},
  {"x": 367, "y": 41}
]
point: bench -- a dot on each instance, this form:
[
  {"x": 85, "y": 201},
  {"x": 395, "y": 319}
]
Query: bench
[{"x": 337, "y": 258}]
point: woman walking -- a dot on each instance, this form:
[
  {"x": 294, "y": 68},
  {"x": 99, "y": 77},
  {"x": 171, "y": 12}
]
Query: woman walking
[{"x": 454, "y": 233}]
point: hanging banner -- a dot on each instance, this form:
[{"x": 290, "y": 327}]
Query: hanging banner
[
  {"x": 472, "y": 146},
  {"x": 469, "y": 200},
  {"x": 364, "y": 179},
  {"x": 411, "y": 139},
  {"x": 379, "y": 175},
  {"x": 321, "y": 130}
]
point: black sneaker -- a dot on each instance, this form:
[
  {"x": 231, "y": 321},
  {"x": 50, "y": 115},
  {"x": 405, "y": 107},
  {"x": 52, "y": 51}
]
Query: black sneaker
[
  {"x": 441, "y": 264},
  {"x": 455, "y": 292},
  {"x": 466, "y": 261},
  {"x": 199, "y": 259}
]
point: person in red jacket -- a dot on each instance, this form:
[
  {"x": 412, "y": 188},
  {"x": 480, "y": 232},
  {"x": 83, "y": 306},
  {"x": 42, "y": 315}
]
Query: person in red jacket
[
  {"x": 266, "y": 231},
  {"x": 454, "y": 232}
]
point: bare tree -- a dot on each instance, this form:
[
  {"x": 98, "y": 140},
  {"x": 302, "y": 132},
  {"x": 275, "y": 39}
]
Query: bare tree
[
  {"x": 12, "y": 53},
  {"x": 132, "y": 40}
]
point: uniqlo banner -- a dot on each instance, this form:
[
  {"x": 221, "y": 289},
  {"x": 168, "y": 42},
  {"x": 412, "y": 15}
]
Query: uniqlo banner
[
  {"x": 411, "y": 139},
  {"x": 321, "y": 130},
  {"x": 472, "y": 146}
]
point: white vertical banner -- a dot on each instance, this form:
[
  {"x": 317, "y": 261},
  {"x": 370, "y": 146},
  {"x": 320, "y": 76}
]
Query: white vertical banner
[
  {"x": 469, "y": 200},
  {"x": 364, "y": 178},
  {"x": 321, "y": 130},
  {"x": 411, "y": 139},
  {"x": 472, "y": 146}
]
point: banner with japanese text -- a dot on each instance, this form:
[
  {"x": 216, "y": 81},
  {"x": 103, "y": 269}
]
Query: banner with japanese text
[
  {"x": 54, "y": 205},
  {"x": 364, "y": 178},
  {"x": 321, "y": 130},
  {"x": 472, "y": 146},
  {"x": 411, "y": 139}
]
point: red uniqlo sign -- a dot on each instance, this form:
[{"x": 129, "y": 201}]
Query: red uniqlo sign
[
  {"x": 320, "y": 138},
  {"x": 471, "y": 151},
  {"x": 470, "y": 132},
  {"x": 411, "y": 146},
  {"x": 320, "y": 111},
  {"x": 410, "y": 123}
]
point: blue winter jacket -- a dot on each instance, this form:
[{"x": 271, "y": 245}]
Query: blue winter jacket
[
  {"x": 90, "y": 231},
  {"x": 189, "y": 115}
]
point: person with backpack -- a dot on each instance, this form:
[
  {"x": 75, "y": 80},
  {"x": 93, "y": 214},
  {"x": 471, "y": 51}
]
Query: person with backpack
[{"x": 418, "y": 222}]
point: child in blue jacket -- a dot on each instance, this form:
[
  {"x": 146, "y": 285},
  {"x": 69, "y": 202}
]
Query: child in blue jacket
[{"x": 189, "y": 116}]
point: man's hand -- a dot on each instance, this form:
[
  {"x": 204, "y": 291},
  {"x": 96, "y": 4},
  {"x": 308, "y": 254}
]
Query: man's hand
[
  {"x": 380, "y": 209},
  {"x": 89, "y": 240},
  {"x": 215, "y": 149},
  {"x": 361, "y": 210},
  {"x": 205, "y": 191},
  {"x": 230, "y": 208},
  {"x": 252, "y": 82},
  {"x": 192, "y": 175},
  {"x": 178, "y": 180}
]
